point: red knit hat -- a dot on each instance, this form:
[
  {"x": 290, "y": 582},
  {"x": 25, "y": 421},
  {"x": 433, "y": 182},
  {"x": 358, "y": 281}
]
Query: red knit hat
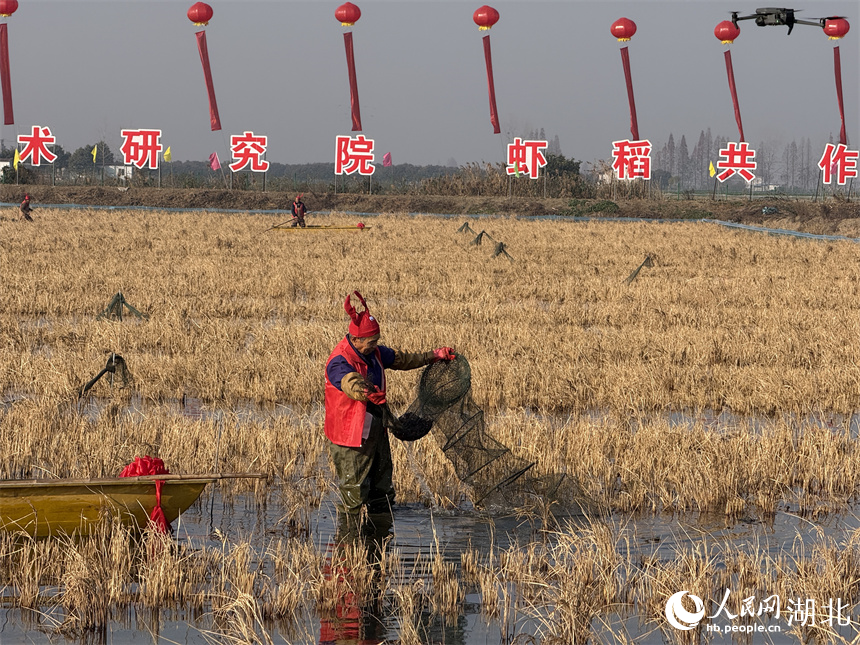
[{"x": 361, "y": 325}]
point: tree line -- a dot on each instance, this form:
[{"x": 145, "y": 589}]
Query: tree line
[{"x": 793, "y": 166}]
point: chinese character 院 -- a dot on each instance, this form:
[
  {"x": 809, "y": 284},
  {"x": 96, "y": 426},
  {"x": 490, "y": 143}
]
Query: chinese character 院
[
  {"x": 839, "y": 160},
  {"x": 526, "y": 156},
  {"x": 140, "y": 147},
  {"x": 36, "y": 145},
  {"x": 631, "y": 159},
  {"x": 737, "y": 158},
  {"x": 248, "y": 149},
  {"x": 353, "y": 155}
]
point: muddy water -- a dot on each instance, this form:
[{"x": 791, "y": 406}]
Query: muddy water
[{"x": 418, "y": 533}]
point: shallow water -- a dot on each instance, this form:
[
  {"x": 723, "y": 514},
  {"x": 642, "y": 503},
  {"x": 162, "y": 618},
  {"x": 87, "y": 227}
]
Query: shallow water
[{"x": 417, "y": 532}]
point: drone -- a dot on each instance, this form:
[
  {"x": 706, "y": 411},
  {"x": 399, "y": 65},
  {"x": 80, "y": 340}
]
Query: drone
[{"x": 768, "y": 16}]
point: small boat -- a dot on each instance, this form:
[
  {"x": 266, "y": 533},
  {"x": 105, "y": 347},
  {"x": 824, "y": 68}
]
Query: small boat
[
  {"x": 322, "y": 227},
  {"x": 45, "y": 507}
]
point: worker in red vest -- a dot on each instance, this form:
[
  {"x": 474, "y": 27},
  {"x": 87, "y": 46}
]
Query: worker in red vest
[{"x": 355, "y": 388}]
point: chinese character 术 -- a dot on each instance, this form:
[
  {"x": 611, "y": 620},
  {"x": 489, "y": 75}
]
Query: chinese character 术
[{"x": 36, "y": 145}]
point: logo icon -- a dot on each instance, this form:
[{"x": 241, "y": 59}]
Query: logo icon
[{"x": 679, "y": 617}]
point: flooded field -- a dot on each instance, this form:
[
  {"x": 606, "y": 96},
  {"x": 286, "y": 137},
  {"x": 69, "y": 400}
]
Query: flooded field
[
  {"x": 696, "y": 416},
  {"x": 506, "y": 574}
]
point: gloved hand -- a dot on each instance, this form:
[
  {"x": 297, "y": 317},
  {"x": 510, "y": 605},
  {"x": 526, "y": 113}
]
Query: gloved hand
[
  {"x": 443, "y": 354},
  {"x": 376, "y": 396}
]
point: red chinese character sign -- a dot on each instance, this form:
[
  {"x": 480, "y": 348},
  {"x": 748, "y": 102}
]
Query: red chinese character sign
[
  {"x": 353, "y": 155},
  {"x": 526, "y": 157},
  {"x": 623, "y": 29},
  {"x": 736, "y": 158},
  {"x": 348, "y": 14},
  {"x": 838, "y": 160},
  {"x": 7, "y": 8},
  {"x": 726, "y": 32},
  {"x": 248, "y": 150},
  {"x": 200, "y": 14},
  {"x": 631, "y": 159},
  {"x": 485, "y": 17},
  {"x": 35, "y": 146},
  {"x": 141, "y": 147}
]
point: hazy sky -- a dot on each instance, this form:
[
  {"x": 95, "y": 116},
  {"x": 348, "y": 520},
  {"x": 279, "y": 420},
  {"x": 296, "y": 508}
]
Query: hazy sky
[{"x": 89, "y": 69}]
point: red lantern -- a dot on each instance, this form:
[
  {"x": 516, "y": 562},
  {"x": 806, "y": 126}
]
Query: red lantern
[
  {"x": 348, "y": 14},
  {"x": 726, "y": 32},
  {"x": 835, "y": 28},
  {"x": 623, "y": 29},
  {"x": 485, "y": 17},
  {"x": 8, "y": 7},
  {"x": 200, "y": 14}
]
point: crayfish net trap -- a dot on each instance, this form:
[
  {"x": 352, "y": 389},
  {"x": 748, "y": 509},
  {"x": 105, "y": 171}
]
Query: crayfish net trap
[{"x": 444, "y": 404}]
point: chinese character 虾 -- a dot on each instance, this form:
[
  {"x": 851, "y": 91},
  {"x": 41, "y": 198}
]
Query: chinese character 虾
[
  {"x": 632, "y": 159},
  {"x": 248, "y": 149},
  {"x": 526, "y": 156},
  {"x": 353, "y": 155},
  {"x": 36, "y": 145},
  {"x": 140, "y": 147},
  {"x": 838, "y": 159},
  {"x": 737, "y": 158}
]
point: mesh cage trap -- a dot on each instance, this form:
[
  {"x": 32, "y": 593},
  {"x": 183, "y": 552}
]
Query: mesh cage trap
[{"x": 445, "y": 405}]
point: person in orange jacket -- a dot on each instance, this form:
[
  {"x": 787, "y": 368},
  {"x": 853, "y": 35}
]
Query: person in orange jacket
[
  {"x": 355, "y": 390},
  {"x": 25, "y": 209}
]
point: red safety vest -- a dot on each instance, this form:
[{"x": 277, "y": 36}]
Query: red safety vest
[{"x": 345, "y": 417}]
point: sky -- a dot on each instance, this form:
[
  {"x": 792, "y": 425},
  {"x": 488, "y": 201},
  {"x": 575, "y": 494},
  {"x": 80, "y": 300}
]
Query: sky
[{"x": 88, "y": 69}]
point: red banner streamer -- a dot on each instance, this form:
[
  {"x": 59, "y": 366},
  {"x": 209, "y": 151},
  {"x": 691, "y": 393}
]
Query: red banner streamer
[
  {"x": 837, "y": 69},
  {"x": 634, "y": 124},
  {"x": 5, "y": 77},
  {"x": 353, "y": 82},
  {"x": 214, "y": 119},
  {"x": 731, "y": 73},
  {"x": 491, "y": 87}
]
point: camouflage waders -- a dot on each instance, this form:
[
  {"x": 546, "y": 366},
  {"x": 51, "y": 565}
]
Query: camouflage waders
[{"x": 365, "y": 473}]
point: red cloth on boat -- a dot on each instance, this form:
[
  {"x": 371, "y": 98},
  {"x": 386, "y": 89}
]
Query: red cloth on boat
[{"x": 150, "y": 466}]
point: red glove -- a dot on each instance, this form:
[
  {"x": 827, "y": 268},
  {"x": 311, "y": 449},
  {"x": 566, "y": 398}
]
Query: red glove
[
  {"x": 376, "y": 396},
  {"x": 443, "y": 354}
]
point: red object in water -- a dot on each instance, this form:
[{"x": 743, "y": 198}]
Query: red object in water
[
  {"x": 623, "y": 29},
  {"x": 726, "y": 32},
  {"x": 348, "y": 14},
  {"x": 8, "y": 7},
  {"x": 485, "y": 17},
  {"x": 200, "y": 13},
  {"x": 836, "y": 28},
  {"x": 150, "y": 466}
]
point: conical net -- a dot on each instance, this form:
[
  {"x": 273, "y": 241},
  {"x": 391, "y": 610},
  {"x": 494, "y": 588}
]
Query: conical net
[{"x": 444, "y": 403}]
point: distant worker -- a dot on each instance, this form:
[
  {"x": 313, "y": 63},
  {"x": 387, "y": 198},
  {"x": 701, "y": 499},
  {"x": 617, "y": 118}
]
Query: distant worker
[
  {"x": 299, "y": 211},
  {"x": 355, "y": 391},
  {"x": 25, "y": 208}
]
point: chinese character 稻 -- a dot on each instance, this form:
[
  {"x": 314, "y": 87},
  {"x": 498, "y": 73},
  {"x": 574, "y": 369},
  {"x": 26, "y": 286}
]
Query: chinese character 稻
[{"x": 632, "y": 159}]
